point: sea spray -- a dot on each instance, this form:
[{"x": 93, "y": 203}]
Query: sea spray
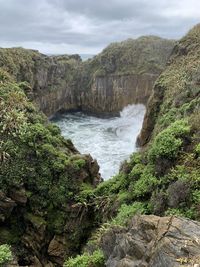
[{"x": 109, "y": 140}]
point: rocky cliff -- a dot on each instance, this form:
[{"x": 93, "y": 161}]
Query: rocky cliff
[
  {"x": 161, "y": 179},
  {"x": 124, "y": 73},
  {"x": 52, "y": 79},
  {"x": 111, "y": 93}
]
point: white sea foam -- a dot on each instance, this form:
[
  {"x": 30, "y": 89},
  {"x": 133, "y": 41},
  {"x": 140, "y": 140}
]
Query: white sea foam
[{"x": 109, "y": 140}]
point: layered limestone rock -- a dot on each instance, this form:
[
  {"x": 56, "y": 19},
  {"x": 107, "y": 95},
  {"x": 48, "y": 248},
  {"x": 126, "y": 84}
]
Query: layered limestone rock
[
  {"x": 154, "y": 242},
  {"x": 124, "y": 73},
  {"x": 110, "y": 94}
]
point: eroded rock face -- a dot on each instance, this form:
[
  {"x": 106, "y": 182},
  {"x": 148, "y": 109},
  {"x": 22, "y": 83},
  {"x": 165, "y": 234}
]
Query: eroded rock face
[
  {"x": 124, "y": 73},
  {"x": 18, "y": 195},
  {"x": 111, "y": 93},
  {"x": 154, "y": 242},
  {"x": 153, "y": 108}
]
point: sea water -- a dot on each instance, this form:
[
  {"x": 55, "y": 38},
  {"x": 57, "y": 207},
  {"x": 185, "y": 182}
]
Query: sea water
[{"x": 109, "y": 140}]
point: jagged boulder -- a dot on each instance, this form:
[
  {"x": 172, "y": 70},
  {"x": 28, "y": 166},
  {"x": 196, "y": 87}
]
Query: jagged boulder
[{"x": 154, "y": 242}]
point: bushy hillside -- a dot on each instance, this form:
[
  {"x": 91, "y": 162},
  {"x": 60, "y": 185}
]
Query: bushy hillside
[{"x": 41, "y": 177}]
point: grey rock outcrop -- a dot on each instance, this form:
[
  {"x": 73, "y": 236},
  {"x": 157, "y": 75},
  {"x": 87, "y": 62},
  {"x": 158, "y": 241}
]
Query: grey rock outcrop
[{"x": 154, "y": 242}]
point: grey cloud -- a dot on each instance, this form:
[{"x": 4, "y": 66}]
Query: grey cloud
[
  {"x": 91, "y": 25},
  {"x": 109, "y": 10}
]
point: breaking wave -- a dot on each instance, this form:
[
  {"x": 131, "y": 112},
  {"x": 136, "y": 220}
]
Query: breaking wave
[{"x": 109, "y": 140}]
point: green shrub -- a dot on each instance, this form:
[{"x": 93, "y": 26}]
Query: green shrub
[
  {"x": 184, "y": 173},
  {"x": 175, "y": 113},
  {"x": 176, "y": 212},
  {"x": 146, "y": 183},
  {"x": 113, "y": 185},
  {"x": 126, "y": 212},
  {"x": 135, "y": 158},
  {"x": 179, "y": 172},
  {"x": 196, "y": 196},
  {"x": 188, "y": 213},
  {"x": 96, "y": 259},
  {"x": 191, "y": 213},
  {"x": 4, "y": 76},
  {"x": 5, "y": 254},
  {"x": 10, "y": 235},
  {"x": 136, "y": 172},
  {"x": 104, "y": 187},
  {"x": 168, "y": 142},
  {"x": 86, "y": 193},
  {"x": 79, "y": 163},
  {"x": 124, "y": 197}
]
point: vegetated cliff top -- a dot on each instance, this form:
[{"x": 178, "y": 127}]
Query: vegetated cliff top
[
  {"x": 32, "y": 66},
  {"x": 147, "y": 54}
]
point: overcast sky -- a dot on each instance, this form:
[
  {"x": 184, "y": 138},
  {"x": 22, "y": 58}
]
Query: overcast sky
[{"x": 87, "y": 26}]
